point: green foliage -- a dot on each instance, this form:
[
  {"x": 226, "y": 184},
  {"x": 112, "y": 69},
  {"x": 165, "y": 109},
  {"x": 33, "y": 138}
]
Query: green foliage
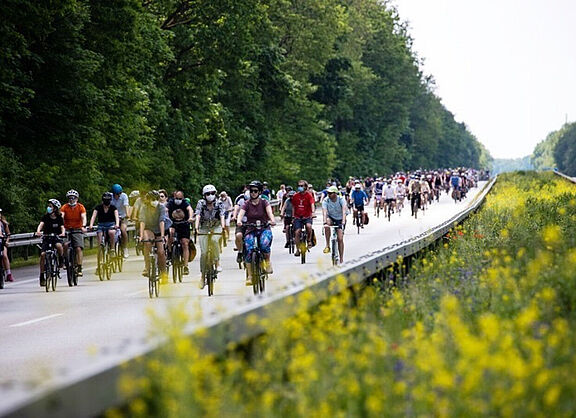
[
  {"x": 565, "y": 151},
  {"x": 173, "y": 94}
]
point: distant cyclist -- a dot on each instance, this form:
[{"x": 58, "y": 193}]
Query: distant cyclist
[
  {"x": 209, "y": 219},
  {"x": 303, "y": 204},
  {"x": 358, "y": 198},
  {"x": 228, "y": 207},
  {"x": 181, "y": 214},
  {"x": 334, "y": 214},
  {"x": 51, "y": 223},
  {"x": 378, "y": 187},
  {"x": 5, "y": 238},
  {"x": 239, "y": 231},
  {"x": 74, "y": 214},
  {"x": 108, "y": 220},
  {"x": 287, "y": 214},
  {"x": 122, "y": 204},
  {"x": 152, "y": 228}
]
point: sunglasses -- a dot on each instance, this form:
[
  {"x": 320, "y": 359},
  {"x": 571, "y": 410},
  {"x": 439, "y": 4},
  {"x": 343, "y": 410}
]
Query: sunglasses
[
  {"x": 254, "y": 191},
  {"x": 210, "y": 193},
  {"x": 301, "y": 185}
]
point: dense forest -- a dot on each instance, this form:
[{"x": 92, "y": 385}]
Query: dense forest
[
  {"x": 177, "y": 93},
  {"x": 558, "y": 150}
]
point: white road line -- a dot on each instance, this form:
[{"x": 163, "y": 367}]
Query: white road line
[
  {"x": 137, "y": 293},
  {"x": 33, "y": 321}
]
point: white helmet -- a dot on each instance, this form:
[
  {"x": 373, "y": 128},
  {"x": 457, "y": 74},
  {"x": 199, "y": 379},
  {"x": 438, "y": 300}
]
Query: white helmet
[
  {"x": 55, "y": 202},
  {"x": 72, "y": 193},
  {"x": 208, "y": 188}
]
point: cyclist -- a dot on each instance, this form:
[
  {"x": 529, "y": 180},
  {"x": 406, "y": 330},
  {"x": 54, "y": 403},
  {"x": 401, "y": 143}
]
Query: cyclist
[
  {"x": 389, "y": 193},
  {"x": 239, "y": 232},
  {"x": 151, "y": 218},
  {"x": 334, "y": 214},
  {"x": 74, "y": 214},
  {"x": 303, "y": 210},
  {"x": 228, "y": 207},
  {"x": 257, "y": 209},
  {"x": 51, "y": 223},
  {"x": 122, "y": 204},
  {"x": 400, "y": 195},
  {"x": 357, "y": 199},
  {"x": 378, "y": 187},
  {"x": 456, "y": 183},
  {"x": 266, "y": 192},
  {"x": 209, "y": 218},
  {"x": 180, "y": 210},
  {"x": 287, "y": 214},
  {"x": 414, "y": 188},
  {"x": 108, "y": 220},
  {"x": 4, "y": 238}
]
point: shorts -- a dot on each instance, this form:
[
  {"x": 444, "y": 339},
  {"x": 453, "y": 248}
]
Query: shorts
[
  {"x": 388, "y": 201},
  {"x": 105, "y": 226},
  {"x": 300, "y": 222},
  {"x": 124, "y": 221},
  {"x": 378, "y": 197},
  {"x": 359, "y": 207},
  {"x": 240, "y": 230},
  {"x": 288, "y": 220},
  {"x": 76, "y": 238},
  {"x": 183, "y": 230},
  {"x": 50, "y": 242},
  {"x": 336, "y": 222}
]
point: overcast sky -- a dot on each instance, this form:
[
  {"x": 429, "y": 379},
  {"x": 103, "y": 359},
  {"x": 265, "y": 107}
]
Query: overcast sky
[{"x": 507, "y": 68}]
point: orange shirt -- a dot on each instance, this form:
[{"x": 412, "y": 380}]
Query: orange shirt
[{"x": 73, "y": 215}]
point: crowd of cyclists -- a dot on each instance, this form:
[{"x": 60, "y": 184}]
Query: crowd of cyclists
[{"x": 161, "y": 217}]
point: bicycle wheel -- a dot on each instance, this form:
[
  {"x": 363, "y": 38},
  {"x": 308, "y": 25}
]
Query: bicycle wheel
[
  {"x": 152, "y": 279},
  {"x": 70, "y": 266},
  {"x": 119, "y": 258},
  {"x": 334, "y": 252},
  {"x": 2, "y": 279},
  {"x": 255, "y": 273},
  {"x": 176, "y": 262},
  {"x": 210, "y": 279},
  {"x": 48, "y": 271},
  {"x": 358, "y": 216},
  {"x": 55, "y": 273},
  {"x": 108, "y": 265},
  {"x": 101, "y": 270}
]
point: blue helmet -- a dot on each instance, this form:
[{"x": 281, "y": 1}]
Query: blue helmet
[{"x": 116, "y": 189}]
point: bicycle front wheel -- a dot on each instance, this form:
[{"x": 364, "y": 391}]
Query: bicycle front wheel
[
  {"x": 210, "y": 280},
  {"x": 70, "y": 266},
  {"x": 256, "y": 272}
]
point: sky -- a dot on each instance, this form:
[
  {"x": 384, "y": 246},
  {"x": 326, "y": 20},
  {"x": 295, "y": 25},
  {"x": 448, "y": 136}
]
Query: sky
[{"x": 506, "y": 68}]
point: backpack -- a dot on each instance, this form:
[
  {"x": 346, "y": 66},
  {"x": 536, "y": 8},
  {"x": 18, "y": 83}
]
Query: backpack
[{"x": 366, "y": 218}]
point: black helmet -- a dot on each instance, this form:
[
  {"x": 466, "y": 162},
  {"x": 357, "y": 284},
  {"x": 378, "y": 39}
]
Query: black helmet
[
  {"x": 153, "y": 195},
  {"x": 256, "y": 184},
  {"x": 288, "y": 188},
  {"x": 106, "y": 196}
]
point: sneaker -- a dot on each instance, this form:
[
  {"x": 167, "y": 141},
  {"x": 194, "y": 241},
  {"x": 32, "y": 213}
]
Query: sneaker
[
  {"x": 9, "y": 278},
  {"x": 267, "y": 267},
  {"x": 248, "y": 280},
  {"x": 297, "y": 253},
  {"x": 326, "y": 250},
  {"x": 145, "y": 273},
  {"x": 186, "y": 271},
  {"x": 202, "y": 282},
  {"x": 219, "y": 269},
  {"x": 163, "y": 277},
  {"x": 42, "y": 280},
  {"x": 239, "y": 257},
  {"x": 126, "y": 254},
  {"x": 79, "y": 271},
  {"x": 287, "y": 245}
]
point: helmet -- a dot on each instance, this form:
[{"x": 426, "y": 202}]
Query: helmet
[
  {"x": 357, "y": 186},
  {"x": 106, "y": 195},
  {"x": 134, "y": 193},
  {"x": 332, "y": 189},
  {"x": 152, "y": 195},
  {"x": 291, "y": 193},
  {"x": 116, "y": 189},
  {"x": 72, "y": 193},
  {"x": 265, "y": 183},
  {"x": 289, "y": 188},
  {"x": 256, "y": 184},
  {"x": 55, "y": 202},
  {"x": 208, "y": 188}
]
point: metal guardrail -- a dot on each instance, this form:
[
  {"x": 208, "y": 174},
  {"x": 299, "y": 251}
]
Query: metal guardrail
[
  {"x": 94, "y": 394},
  {"x": 572, "y": 179}
]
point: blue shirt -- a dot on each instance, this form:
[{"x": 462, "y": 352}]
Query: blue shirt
[{"x": 358, "y": 196}]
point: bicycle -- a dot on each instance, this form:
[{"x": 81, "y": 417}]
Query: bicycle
[
  {"x": 259, "y": 275},
  {"x": 70, "y": 260},
  {"x": 51, "y": 265},
  {"x": 208, "y": 263},
  {"x": 105, "y": 261},
  {"x": 138, "y": 246},
  {"x": 291, "y": 239},
  {"x": 359, "y": 221},
  {"x": 415, "y": 204},
  {"x": 153, "y": 270},
  {"x": 117, "y": 255},
  {"x": 303, "y": 247},
  {"x": 334, "y": 252},
  {"x": 390, "y": 210},
  {"x": 177, "y": 256}
]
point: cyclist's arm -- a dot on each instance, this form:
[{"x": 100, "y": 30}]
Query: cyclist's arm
[
  {"x": 344, "y": 208},
  {"x": 117, "y": 218},
  {"x": 162, "y": 228},
  {"x": 222, "y": 221},
  {"x": 40, "y": 228},
  {"x": 270, "y": 215},
  {"x": 93, "y": 218},
  {"x": 240, "y": 216},
  {"x": 141, "y": 230},
  {"x": 83, "y": 216},
  {"x": 324, "y": 215},
  {"x": 190, "y": 213},
  {"x": 62, "y": 231}
]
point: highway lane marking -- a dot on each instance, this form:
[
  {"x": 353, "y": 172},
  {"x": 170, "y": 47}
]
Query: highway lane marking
[{"x": 33, "y": 321}]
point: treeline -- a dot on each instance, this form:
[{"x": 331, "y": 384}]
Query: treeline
[
  {"x": 558, "y": 150},
  {"x": 180, "y": 93}
]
